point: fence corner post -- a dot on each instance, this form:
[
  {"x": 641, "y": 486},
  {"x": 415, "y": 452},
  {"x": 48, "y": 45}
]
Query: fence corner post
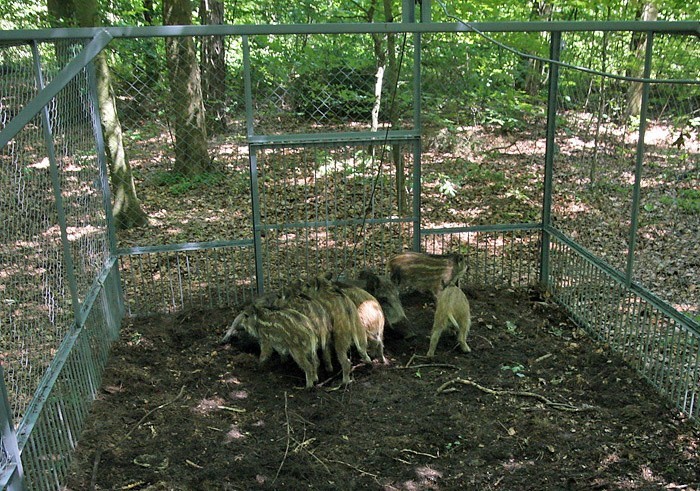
[{"x": 554, "y": 56}]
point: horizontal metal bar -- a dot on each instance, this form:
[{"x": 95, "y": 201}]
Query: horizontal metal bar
[
  {"x": 34, "y": 106},
  {"x": 186, "y": 246},
  {"x": 678, "y": 27},
  {"x": 504, "y": 227},
  {"x": 665, "y": 308},
  {"x": 333, "y": 223},
  {"x": 368, "y": 137},
  {"x": 47, "y": 384}
]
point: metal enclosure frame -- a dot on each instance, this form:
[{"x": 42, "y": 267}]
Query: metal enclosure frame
[{"x": 567, "y": 270}]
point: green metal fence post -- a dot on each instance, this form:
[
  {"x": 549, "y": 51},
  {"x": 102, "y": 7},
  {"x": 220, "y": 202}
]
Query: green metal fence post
[
  {"x": 554, "y": 55},
  {"x": 639, "y": 162},
  {"x": 253, "y": 162},
  {"x": 409, "y": 16},
  {"x": 417, "y": 150},
  {"x": 12, "y": 477}
]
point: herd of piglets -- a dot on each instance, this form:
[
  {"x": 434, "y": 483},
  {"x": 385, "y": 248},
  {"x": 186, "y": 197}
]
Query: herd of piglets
[{"x": 326, "y": 316}]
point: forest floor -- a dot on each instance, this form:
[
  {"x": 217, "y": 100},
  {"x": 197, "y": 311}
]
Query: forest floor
[{"x": 536, "y": 405}]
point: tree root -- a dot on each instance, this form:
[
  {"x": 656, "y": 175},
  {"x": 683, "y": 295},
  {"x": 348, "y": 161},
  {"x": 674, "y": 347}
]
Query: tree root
[{"x": 560, "y": 406}]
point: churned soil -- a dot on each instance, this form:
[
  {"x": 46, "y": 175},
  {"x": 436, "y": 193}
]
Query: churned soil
[{"x": 536, "y": 405}]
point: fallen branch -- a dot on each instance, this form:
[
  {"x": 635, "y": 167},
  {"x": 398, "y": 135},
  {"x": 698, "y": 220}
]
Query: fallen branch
[
  {"x": 182, "y": 390},
  {"x": 289, "y": 431},
  {"x": 95, "y": 465},
  {"x": 518, "y": 393}
]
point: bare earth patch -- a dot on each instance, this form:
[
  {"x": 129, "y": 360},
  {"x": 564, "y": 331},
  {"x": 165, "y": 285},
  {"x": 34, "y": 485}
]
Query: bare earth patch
[{"x": 536, "y": 405}]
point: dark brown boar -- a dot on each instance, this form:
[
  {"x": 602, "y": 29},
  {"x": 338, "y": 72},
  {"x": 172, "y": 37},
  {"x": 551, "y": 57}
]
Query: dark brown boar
[
  {"x": 426, "y": 272},
  {"x": 451, "y": 312},
  {"x": 385, "y": 291}
]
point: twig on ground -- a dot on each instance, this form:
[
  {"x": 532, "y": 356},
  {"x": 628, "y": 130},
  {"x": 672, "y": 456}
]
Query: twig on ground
[
  {"x": 432, "y": 365},
  {"x": 410, "y": 360},
  {"x": 355, "y": 468},
  {"x": 182, "y": 390},
  {"x": 408, "y": 450},
  {"x": 95, "y": 465},
  {"x": 485, "y": 339},
  {"x": 303, "y": 446},
  {"x": 289, "y": 431},
  {"x": 519, "y": 393},
  {"x": 543, "y": 357}
]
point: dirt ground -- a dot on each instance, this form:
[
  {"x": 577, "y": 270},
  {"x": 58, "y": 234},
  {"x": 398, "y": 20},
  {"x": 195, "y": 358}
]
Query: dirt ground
[{"x": 536, "y": 405}]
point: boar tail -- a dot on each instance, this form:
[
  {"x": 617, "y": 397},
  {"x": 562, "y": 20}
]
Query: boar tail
[{"x": 452, "y": 319}]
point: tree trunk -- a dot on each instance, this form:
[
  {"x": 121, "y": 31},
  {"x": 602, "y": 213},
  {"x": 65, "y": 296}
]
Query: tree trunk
[
  {"x": 391, "y": 76},
  {"x": 638, "y": 49},
  {"x": 211, "y": 12},
  {"x": 126, "y": 207},
  {"x": 187, "y": 106},
  {"x": 70, "y": 108}
]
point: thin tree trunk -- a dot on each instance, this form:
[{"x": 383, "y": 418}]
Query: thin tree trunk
[
  {"x": 187, "y": 106},
  {"x": 392, "y": 75},
  {"x": 639, "y": 44},
  {"x": 211, "y": 12},
  {"x": 126, "y": 206}
]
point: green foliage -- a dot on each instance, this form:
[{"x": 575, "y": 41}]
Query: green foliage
[
  {"x": 516, "y": 369},
  {"x": 333, "y": 92},
  {"x": 687, "y": 200},
  {"x": 179, "y": 184}
]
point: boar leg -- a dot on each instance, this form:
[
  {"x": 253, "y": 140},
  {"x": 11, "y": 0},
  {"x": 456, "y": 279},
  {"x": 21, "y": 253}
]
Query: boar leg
[
  {"x": 342, "y": 347},
  {"x": 265, "y": 351},
  {"x": 326, "y": 352},
  {"x": 435, "y": 339},
  {"x": 463, "y": 332},
  {"x": 307, "y": 363}
]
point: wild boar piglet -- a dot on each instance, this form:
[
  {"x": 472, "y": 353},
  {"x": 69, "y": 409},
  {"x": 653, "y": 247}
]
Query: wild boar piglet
[
  {"x": 451, "y": 312},
  {"x": 385, "y": 291},
  {"x": 286, "y": 331},
  {"x": 346, "y": 328},
  {"x": 371, "y": 317},
  {"x": 426, "y": 272}
]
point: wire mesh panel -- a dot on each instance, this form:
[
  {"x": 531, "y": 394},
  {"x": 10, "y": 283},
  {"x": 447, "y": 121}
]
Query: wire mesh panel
[
  {"x": 595, "y": 160},
  {"x": 36, "y": 307},
  {"x": 667, "y": 253},
  {"x": 170, "y": 190},
  {"x": 664, "y": 349},
  {"x": 76, "y": 376},
  {"x": 157, "y": 281},
  {"x": 595, "y": 168},
  {"x": 483, "y": 156},
  {"x": 311, "y": 84},
  {"x": 494, "y": 257},
  {"x": 332, "y": 207}
]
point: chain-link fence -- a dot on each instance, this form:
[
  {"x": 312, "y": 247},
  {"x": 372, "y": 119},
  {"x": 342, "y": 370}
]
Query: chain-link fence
[
  {"x": 297, "y": 153},
  {"x": 55, "y": 251}
]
